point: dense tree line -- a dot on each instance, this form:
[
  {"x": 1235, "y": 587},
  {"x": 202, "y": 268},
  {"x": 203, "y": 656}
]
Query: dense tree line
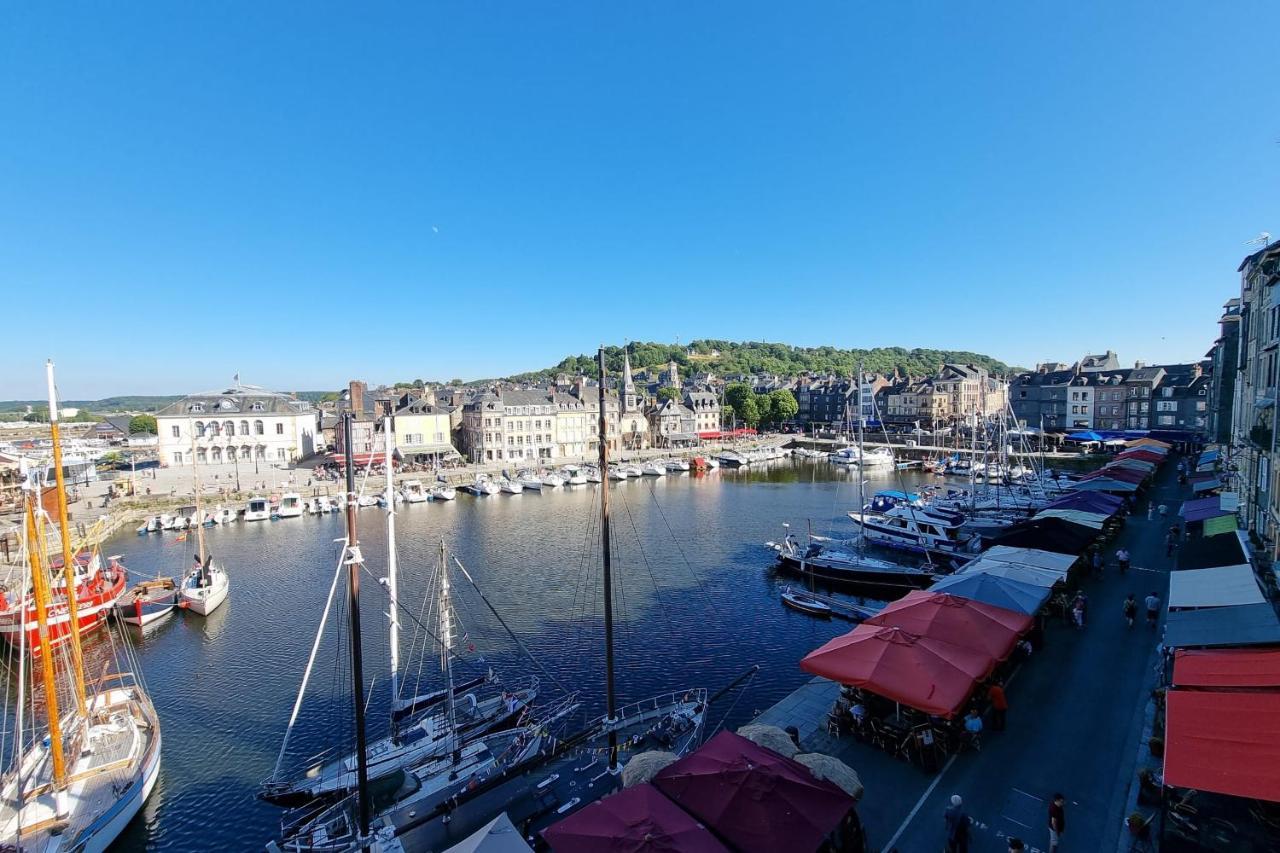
[{"x": 751, "y": 357}]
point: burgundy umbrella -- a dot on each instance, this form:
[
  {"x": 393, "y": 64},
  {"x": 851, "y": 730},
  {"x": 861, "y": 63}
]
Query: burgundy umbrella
[
  {"x": 634, "y": 820},
  {"x": 753, "y": 798}
]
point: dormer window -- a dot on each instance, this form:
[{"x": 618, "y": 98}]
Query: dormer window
[
  {"x": 196, "y": 407},
  {"x": 257, "y": 406}
]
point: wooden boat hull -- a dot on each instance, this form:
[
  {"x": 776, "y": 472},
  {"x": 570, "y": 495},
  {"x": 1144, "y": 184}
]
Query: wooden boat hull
[
  {"x": 147, "y": 602},
  {"x": 804, "y": 604}
]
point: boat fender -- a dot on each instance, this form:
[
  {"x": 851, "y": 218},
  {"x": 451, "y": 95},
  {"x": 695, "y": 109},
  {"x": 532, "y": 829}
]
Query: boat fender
[{"x": 471, "y": 701}]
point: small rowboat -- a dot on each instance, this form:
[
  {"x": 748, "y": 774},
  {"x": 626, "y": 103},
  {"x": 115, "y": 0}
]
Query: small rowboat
[
  {"x": 148, "y": 601},
  {"x": 805, "y": 603}
]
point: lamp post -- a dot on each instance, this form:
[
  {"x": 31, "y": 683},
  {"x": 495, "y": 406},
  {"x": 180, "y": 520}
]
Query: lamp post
[{"x": 235, "y": 459}]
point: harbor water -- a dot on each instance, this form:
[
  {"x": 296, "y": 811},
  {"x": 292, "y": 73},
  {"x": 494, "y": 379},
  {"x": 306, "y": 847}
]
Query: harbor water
[{"x": 696, "y": 605}]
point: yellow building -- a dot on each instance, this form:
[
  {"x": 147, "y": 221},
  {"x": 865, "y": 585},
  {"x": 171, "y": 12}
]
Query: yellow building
[{"x": 423, "y": 431}]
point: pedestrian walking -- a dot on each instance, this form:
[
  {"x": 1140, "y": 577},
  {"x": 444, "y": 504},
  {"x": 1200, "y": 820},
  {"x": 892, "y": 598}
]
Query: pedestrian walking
[
  {"x": 1122, "y": 559},
  {"x": 1153, "y": 608},
  {"x": 1151, "y": 510},
  {"x": 1130, "y": 609},
  {"x": 957, "y": 826},
  {"x": 1077, "y": 612},
  {"x": 1097, "y": 561},
  {"x": 1057, "y": 821},
  {"x": 999, "y": 705},
  {"x": 1164, "y": 510}
]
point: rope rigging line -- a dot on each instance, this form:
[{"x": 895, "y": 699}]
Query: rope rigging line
[
  {"x": 728, "y": 711},
  {"x": 683, "y": 556},
  {"x": 657, "y": 593}
]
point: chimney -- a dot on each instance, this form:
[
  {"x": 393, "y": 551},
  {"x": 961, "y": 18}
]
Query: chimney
[
  {"x": 356, "y": 390},
  {"x": 1138, "y": 365}
]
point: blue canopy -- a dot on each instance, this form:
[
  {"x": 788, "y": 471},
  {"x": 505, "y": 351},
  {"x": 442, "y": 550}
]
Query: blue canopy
[
  {"x": 997, "y": 591},
  {"x": 1087, "y": 435}
]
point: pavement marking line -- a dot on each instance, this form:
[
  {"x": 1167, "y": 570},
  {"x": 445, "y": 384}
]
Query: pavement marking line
[
  {"x": 1025, "y": 794},
  {"x": 919, "y": 804},
  {"x": 1018, "y": 822}
]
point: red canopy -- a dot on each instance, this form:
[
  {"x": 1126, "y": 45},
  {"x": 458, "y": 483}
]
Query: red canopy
[
  {"x": 752, "y": 797},
  {"x": 1116, "y": 472},
  {"x": 931, "y": 675},
  {"x": 1142, "y": 455},
  {"x": 1228, "y": 743},
  {"x": 1226, "y": 668},
  {"x": 634, "y": 820},
  {"x": 983, "y": 628}
]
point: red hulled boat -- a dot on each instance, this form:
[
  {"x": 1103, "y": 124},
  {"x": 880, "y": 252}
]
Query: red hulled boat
[{"x": 97, "y": 590}]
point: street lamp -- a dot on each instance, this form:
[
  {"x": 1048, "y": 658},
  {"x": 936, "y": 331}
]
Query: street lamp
[{"x": 235, "y": 460}]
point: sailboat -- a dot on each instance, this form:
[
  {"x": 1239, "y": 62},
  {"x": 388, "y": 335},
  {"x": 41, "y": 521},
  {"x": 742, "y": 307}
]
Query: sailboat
[
  {"x": 579, "y": 768},
  {"x": 441, "y": 723},
  {"x": 77, "y": 782},
  {"x": 206, "y": 585}
]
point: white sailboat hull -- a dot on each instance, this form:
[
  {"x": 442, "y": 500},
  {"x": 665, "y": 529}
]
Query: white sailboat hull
[{"x": 205, "y": 600}]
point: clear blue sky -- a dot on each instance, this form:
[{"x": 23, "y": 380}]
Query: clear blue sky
[{"x": 305, "y": 194}]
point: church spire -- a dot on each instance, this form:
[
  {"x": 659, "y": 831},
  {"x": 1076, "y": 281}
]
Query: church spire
[{"x": 628, "y": 386}]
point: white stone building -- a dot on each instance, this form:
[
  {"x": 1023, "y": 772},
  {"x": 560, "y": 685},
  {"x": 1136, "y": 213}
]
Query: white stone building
[{"x": 243, "y": 423}]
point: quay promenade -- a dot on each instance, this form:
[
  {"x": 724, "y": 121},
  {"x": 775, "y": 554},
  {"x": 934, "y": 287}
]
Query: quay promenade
[{"x": 1074, "y": 723}]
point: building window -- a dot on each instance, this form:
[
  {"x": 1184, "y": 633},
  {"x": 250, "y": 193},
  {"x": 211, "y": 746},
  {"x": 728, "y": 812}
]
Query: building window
[
  {"x": 199, "y": 429},
  {"x": 244, "y": 427},
  {"x": 177, "y": 459},
  {"x": 257, "y": 427},
  {"x": 280, "y": 453},
  {"x": 201, "y": 455},
  {"x": 229, "y": 427},
  {"x": 280, "y": 429},
  {"x": 196, "y": 407},
  {"x": 257, "y": 406},
  {"x": 177, "y": 433},
  {"x": 216, "y": 453}
]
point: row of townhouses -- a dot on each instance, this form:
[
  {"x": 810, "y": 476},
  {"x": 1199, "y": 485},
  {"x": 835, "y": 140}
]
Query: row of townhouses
[
  {"x": 1096, "y": 393},
  {"x": 958, "y": 392}
]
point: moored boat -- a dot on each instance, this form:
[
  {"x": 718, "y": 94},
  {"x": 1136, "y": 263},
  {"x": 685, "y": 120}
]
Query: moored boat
[{"x": 148, "y": 601}]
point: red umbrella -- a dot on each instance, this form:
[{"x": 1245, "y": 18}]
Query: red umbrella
[
  {"x": 753, "y": 798},
  {"x": 920, "y": 672},
  {"x": 634, "y": 820},
  {"x": 955, "y": 619}
]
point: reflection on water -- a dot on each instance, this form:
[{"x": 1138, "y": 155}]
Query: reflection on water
[{"x": 695, "y": 601}]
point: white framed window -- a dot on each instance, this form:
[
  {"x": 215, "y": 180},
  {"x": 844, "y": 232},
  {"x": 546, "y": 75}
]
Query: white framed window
[{"x": 177, "y": 433}]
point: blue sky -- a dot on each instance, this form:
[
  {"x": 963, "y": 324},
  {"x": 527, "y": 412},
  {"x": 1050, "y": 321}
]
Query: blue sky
[{"x": 305, "y": 194}]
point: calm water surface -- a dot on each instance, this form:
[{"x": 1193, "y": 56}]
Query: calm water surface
[{"x": 696, "y": 605}]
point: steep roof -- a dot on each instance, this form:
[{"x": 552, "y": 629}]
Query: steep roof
[{"x": 238, "y": 399}]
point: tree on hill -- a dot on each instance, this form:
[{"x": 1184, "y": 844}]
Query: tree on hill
[
  {"x": 142, "y": 423},
  {"x": 749, "y": 412}
]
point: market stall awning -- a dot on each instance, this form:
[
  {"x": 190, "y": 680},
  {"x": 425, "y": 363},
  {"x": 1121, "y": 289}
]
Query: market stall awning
[
  {"x": 1199, "y": 509},
  {"x": 1216, "y": 627},
  {"x": 1088, "y": 519},
  {"x": 1256, "y": 668},
  {"x": 1086, "y": 435},
  {"x": 991, "y": 630},
  {"x": 639, "y": 818},
  {"x": 442, "y": 449},
  {"x": 1006, "y": 592},
  {"x": 1224, "y": 742},
  {"x": 1099, "y": 502},
  {"x": 1208, "y": 456},
  {"x": 1117, "y": 471},
  {"x": 923, "y": 673},
  {"x": 752, "y": 797},
  {"x": 497, "y": 836},
  {"x": 1223, "y": 586},
  {"x": 1041, "y": 559},
  {"x": 1151, "y": 443},
  {"x": 1049, "y": 534},
  {"x": 1209, "y": 551},
  {"x": 1104, "y": 484},
  {"x": 1207, "y": 485},
  {"x": 1142, "y": 454},
  {"x": 1045, "y": 578},
  {"x": 1221, "y": 524}
]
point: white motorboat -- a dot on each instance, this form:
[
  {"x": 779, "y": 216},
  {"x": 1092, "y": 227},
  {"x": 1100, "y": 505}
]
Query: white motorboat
[
  {"x": 731, "y": 459},
  {"x": 168, "y": 522},
  {"x": 653, "y": 469},
  {"x": 220, "y": 515},
  {"x": 443, "y": 492},
  {"x": 511, "y": 487},
  {"x": 633, "y": 471},
  {"x": 366, "y": 501},
  {"x": 414, "y": 492},
  {"x": 617, "y": 472},
  {"x": 529, "y": 480},
  {"x": 919, "y": 529},
  {"x": 483, "y": 487},
  {"x": 677, "y": 464},
  {"x": 290, "y": 505},
  {"x": 592, "y": 474},
  {"x": 151, "y": 525},
  {"x": 575, "y": 476},
  {"x": 258, "y": 509},
  {"x": 712, "y": 463},
  {"x": 552, "y": 480}
]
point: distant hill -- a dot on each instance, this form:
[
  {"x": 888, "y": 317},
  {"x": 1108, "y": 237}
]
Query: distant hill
[
  {"x": 730, "y": 357},
  {"x": 135, "y": 403}
]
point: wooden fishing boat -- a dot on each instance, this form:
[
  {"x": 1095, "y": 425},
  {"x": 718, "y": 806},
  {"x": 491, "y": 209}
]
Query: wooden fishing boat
[
  {"x": 148, "y": 601},
  {"x": 805, "y": 603}
]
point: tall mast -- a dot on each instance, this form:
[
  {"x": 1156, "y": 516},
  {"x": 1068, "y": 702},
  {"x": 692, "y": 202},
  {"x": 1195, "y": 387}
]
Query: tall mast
[
  {"x": 68, "y": 563},
  {"x": 40, "y": 584},
  {"x": 602, "y": 426},
  {"x": 862, "y": 498},
  {"x": 446, "y": 652},
  {"x": 354, "y": 564},
  {"x": 388, "y": 433},
  {"x": 195, "y": 473}
]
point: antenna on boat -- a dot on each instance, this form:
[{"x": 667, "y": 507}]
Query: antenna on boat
[
  {"x": 611, "y": 718},
  {"x": 354, "y": 563}
]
